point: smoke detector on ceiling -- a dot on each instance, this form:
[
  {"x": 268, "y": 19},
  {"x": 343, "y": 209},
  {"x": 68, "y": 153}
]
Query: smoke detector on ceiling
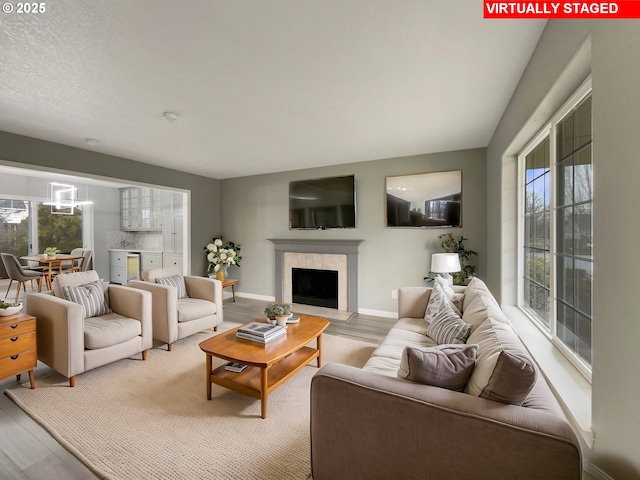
[{"x": 170, "y": 117}]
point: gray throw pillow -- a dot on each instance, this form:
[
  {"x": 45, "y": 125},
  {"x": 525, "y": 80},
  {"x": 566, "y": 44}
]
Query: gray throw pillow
[
  {"x": 447, "y": 326},
  {"x": 90, "y": 297},
  {"x": 175, "y": 281},
  {"x": 445, "y": 366}
]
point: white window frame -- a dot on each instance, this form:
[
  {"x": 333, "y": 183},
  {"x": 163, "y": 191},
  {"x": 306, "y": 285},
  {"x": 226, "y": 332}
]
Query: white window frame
[{"x": 548, "y": 130}]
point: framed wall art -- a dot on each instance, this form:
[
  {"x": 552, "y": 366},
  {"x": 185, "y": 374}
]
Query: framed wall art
[{"x": 424, "y": 200}]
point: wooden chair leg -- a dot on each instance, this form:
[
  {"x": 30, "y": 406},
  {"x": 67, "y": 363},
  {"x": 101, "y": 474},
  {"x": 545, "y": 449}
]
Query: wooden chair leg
[
  {"x": 144, "y": 355},
  {"x": 72, "y": 381},
  {"x": 10, "y": 283},
  {"x": 18, "y": 290},
  {"x": 215, "y": 329},
  {"x": 169, "y": 346},
  {"x": 39, "y": 284}
]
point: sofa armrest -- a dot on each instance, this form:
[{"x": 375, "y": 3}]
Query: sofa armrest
[
  {"x": 60, "y": 332},
  {"x": 206, "y": 289},
  {"x": 369, "y": 426},
  {"x": 133, "y": 303},
  {"x": 164, "y": 308}
]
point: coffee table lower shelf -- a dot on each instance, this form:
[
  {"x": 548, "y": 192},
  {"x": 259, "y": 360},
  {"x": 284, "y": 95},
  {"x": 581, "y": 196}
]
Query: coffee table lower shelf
[{"x": 258, "y": 381}]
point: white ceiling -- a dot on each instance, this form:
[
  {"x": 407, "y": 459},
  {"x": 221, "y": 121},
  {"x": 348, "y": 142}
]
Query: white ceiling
[{"x": 260, "y": 86}]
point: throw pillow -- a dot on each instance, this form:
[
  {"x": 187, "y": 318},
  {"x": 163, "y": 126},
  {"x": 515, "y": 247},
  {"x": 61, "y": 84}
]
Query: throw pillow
[
  {"x": 90, "y": 297},
  {"x": 447, "y": 326},
  {"x": 448, "y": 291},
  {"x": 445, "y": 366},
  {"x": 175, "y": 281},
  {"x": 437, "y": 300},
  {"x": 504, "y": 372}
]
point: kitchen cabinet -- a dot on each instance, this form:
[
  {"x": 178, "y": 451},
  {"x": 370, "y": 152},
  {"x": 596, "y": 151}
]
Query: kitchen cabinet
[
  {"x": 172, "y": 225},
  {"x": 150, "y": 260},
  {"x": 140, "y": 209}
]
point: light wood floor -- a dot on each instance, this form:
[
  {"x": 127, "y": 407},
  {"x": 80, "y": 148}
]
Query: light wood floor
[{"x": 27, "y": 451}]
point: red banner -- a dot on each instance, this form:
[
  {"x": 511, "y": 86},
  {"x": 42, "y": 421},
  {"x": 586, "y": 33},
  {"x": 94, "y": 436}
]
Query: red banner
[{"x": 583, "y": 10}]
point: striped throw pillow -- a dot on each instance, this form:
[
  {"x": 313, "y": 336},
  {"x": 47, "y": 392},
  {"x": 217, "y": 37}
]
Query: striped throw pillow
[
  {"x": 175, "y": 281},
  {"x": 447, "y": 327},
  {"x": 90, "y": 297}
]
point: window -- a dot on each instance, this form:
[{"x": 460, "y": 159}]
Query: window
[{"x": 556, "y": 256}]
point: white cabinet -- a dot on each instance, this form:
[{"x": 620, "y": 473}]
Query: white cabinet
[
  {"x": 150, "y": 260},
  {"x": 172, "y": 221},
  {"x": 173, "y": 261},
  {"x": 140, "y": 209},
  {"x": 118, "y": 267}
]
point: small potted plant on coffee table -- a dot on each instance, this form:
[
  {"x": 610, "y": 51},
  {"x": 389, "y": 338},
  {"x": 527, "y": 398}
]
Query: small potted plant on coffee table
[{"x": 278, "y": 312}]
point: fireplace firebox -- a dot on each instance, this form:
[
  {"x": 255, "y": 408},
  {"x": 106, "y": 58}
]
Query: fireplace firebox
[{"x": 315, "y": 287}]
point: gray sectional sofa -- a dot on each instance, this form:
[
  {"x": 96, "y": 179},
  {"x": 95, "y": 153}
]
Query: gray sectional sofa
[{"x": 370, "y": 424}]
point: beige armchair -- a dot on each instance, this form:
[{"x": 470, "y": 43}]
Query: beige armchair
[
  {"x": 175, "y": 318},
  {"x": 72, "y": 344}
]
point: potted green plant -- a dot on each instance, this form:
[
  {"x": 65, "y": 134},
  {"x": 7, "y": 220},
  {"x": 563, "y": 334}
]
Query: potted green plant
[
  {"x": 50, "y": 252},
  {"x": 451, "y": 245},
  {"x": 279, "y": 312}
]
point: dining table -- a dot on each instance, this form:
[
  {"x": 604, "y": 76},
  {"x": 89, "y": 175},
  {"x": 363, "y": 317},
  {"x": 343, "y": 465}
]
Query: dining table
[{"x": 53, "y": 264}]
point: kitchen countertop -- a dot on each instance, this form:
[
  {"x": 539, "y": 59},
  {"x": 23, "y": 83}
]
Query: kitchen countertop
[{"x": 134, "y": 250}]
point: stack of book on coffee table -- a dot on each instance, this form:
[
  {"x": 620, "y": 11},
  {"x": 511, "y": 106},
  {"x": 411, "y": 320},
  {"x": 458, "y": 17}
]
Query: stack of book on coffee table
[{"x": 261, "y": 332}]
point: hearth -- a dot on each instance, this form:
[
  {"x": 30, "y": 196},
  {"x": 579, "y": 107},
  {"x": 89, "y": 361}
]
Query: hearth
[{"x": 315, "y": 287}]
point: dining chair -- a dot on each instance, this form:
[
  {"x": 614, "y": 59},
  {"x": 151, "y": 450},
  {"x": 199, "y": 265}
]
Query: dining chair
[
  {"x": 84, "y": 264},
  {"x": 20, "y": 275},
  {"x": 68, "y": 266}
]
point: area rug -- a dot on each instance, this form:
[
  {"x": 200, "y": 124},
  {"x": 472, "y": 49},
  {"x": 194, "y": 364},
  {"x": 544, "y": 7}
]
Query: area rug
[{"x": 151, "y": 420}]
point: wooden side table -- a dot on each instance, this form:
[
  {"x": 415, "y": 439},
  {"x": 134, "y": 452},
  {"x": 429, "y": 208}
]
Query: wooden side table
[
  {"x": 18, "y": 346},
  {"x": 229, "y": 282}
]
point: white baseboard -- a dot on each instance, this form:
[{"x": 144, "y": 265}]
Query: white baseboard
[
  {"x": 253, "y": 296},
  {"x": 377, "y": 313}
]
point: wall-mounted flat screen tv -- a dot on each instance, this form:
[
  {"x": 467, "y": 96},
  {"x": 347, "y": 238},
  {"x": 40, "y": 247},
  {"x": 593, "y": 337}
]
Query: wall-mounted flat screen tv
[{"x": 323, "y": 203}]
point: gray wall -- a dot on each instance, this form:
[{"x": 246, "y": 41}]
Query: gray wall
[
  {"x": 256, "y": 208},
  {"x": 611, "y": 50},
  {"x": 205, "y": 192}
]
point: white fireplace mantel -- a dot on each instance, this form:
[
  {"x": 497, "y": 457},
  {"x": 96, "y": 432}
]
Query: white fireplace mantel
[{"x": 316, "y": 246}]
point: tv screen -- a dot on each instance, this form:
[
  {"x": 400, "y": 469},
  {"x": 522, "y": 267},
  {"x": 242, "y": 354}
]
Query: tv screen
[{"x": 323, "y": 203}]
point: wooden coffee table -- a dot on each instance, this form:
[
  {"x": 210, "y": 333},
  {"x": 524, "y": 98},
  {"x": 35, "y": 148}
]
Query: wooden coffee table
[{"x": 270, "y": 365}]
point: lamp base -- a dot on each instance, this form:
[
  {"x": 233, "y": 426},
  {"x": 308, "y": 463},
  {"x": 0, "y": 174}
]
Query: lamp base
[{"x": 448, "y": 278}]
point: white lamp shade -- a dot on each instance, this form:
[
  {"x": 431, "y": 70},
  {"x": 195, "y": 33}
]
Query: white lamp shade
[{"x": 445, "y": 263}]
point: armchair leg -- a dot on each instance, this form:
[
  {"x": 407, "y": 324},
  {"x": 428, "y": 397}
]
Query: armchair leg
[
  {"x": 72, "y": 381},
  {"x": 169, "y": 347},
  {"x": 10, "y": 283},
  {"x": 215, "y": 329},
  {"x": 144, "y": 355}
]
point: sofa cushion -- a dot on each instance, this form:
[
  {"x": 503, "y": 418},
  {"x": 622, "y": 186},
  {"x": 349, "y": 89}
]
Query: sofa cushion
[
  {"x": 394, "y": 342},
  {"x": 447, "y": 326},
  {"x": 194, "y": 308},
  {"x": 90, "y": 297},
  {"x": 479, "y": 304},
  {"x": 446, "y": 366},
  {"x": 110, "y": 329},
  {"x": 503, "y": 372},
  {"x": 437, "y": 300},
  {"x": 383, "y": 366},
  {"x": 176, "y": 281}
]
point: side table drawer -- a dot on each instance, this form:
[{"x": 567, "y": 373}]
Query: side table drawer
[
  {"x": 18, "y": 328},
  {"x": 19, "y": 343},
  {"x": 20, "y": 362}
]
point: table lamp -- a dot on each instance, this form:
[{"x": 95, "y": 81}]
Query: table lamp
[{"x": 444, "y": 264}]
